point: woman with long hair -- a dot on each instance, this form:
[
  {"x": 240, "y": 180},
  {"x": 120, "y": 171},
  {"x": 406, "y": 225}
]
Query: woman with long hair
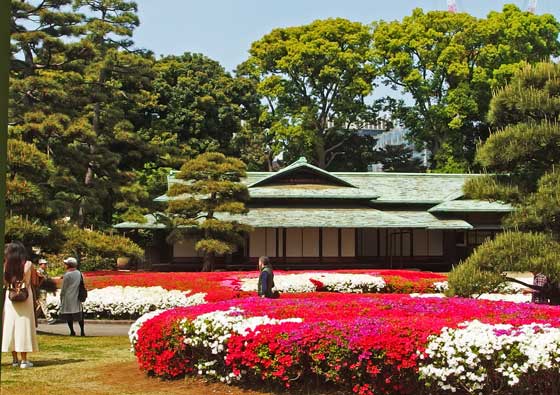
[{"x": 19, "y": 334}]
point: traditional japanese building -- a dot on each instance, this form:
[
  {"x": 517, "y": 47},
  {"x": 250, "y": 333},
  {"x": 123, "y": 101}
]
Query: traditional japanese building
[{"x": 306, "y": 217}]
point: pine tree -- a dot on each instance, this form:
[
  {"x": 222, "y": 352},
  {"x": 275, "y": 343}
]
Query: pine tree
[{"x": 210, "y": 191}]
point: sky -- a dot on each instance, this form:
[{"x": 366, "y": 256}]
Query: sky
[{"x": 224, "y": 29}]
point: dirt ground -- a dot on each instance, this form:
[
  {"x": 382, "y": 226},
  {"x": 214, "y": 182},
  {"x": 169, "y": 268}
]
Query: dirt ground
[{"x": 127, "y": 378}]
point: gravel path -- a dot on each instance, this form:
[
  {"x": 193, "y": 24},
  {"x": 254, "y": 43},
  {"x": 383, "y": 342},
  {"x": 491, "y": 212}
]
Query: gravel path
[{"x": 92, "y": 328}]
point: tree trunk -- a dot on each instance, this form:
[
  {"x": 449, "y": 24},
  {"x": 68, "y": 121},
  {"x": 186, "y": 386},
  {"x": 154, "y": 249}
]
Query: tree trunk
[
  {"x": 208, "y": 265},
  {"x": 96, "y": 124},
  {"x": 320, "y": 152}
]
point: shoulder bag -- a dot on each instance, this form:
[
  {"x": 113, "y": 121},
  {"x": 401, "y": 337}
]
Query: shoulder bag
[
  {"x": 82, "y": 291},
  {"x": 17, "y": 292}
]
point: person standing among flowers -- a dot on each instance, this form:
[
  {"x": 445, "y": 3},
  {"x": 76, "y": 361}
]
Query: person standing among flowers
[
  {"x": 266, "y": 279},
  {"x": 19, "y": 334},
  {"x": 42, "y": 298},
  {"x": 70, "y": 306}
]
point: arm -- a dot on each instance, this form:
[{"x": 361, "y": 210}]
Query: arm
[
  {"x": 531, "y": 286},
  {"x": 62, "y": 289}
]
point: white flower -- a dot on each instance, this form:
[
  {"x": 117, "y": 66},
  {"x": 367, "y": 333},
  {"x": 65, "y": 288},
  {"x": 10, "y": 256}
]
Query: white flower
[
  {"x": 117, "y": 301},
  {"x": 454, "y": 358},
  {"x": 333, "y": 282}
]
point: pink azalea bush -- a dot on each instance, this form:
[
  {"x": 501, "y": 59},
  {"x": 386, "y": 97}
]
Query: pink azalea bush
[{"x": 365, "y": 344}]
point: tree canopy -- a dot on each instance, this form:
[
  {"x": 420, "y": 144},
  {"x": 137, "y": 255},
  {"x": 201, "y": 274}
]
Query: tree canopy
[
  {"x": 315, "y": 79},
  {"x": 449, "y": 63}
]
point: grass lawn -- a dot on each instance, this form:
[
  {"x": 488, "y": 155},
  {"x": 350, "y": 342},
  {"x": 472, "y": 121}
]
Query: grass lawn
[{"x": 94, "y": 365}]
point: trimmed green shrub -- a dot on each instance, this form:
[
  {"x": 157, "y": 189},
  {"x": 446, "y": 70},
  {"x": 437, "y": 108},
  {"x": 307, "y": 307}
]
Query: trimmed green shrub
[
  {"x": 484, "y": 270},
  {"x": 98, "y": 251}
]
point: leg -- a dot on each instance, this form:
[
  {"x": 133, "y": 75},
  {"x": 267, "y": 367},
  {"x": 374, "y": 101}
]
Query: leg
[
  {"x": 70, "y": 322},
  {"x": 81, "y": 322},
  {"x": 25, "y": 364},
  {"x": 44, "y": 308},
  {"x": 15, "y": 361}
]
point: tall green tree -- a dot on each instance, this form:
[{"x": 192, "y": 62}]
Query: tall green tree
[
  {"x": 200, "y": 106},
  {"x": 44, "y": 87},
  {"x": 117, "y": 85},
  {"x": 449, "y": 63},
  {"x": 210, "y": 191},
  {"x": 315, "y": 79}
]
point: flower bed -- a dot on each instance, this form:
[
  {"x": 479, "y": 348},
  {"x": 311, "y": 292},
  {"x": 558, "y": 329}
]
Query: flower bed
[
  {"x": 361, "y": 343},
  {"x": 229, "y": 285},
  {"x": 129, "y": 302},
  {"x": 125, "y": 295}
]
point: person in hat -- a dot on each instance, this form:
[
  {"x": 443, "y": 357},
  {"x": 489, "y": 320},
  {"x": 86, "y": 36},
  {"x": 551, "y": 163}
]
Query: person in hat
[{"x": 70, "y": 306}]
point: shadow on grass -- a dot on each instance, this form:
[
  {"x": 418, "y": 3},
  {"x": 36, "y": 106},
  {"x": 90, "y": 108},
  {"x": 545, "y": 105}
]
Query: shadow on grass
[
  {"x": 38, "y": 363},
  {"x": 51, "y": 334},
  {"x": 58, "y": 361}
]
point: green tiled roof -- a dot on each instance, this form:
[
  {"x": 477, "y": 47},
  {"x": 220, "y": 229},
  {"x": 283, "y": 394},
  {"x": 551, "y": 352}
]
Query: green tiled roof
[
  {"x": 301, "y": 164},
  {"x": 299, "y": 217},
  {"x": 426, "y": 220},
  {"x": 468, "y": 206},
  {"x": 427, "y": 188}
]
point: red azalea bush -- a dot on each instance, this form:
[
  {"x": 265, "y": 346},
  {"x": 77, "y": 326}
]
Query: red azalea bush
[
  {"x": 226, "y": 285},
  {"x": 365, "y": 344}
]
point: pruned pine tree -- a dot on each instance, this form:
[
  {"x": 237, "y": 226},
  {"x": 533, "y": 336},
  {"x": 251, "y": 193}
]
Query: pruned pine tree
[
  {"x": 202, "y": 203},
  {"x": 524, "y": 154}
]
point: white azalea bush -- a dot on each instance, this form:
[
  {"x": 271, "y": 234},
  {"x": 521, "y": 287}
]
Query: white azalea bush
[
  {"x": 515, "y": 298},
  {"x": 331, "y": 282},
  {"x": 478, "y": 358},
  {"x": 129, "y": 302}
]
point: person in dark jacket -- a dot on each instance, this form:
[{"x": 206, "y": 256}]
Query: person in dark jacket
[{"x": 266, "y": 279}]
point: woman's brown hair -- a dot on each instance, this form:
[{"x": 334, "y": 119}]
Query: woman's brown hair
[{"x": 14, "y": 258}]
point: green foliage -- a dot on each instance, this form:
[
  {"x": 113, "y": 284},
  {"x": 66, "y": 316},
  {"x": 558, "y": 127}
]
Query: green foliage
[
  {"x": 397, "y": 158},
  {"x": 528, "y": 149},
  {"x": 540, "y": 211},
  {"x": 484, "y": 270},
  {"x": 492, "y": 187},
  {"x": 210, "y": 192},
  {"x": 96, "y": 250},
  {"x": 447, "y": 162},
  {"x": 314, "y": 78},
  {"x": 214, "y": 246},
  {"x": 531, "y": 97},
  {"x": 29, "y": 232},
  {"x": 449, "y": 63},
  {"x": 468, "y": 280},
  {"x": 200, "y": 105}
]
